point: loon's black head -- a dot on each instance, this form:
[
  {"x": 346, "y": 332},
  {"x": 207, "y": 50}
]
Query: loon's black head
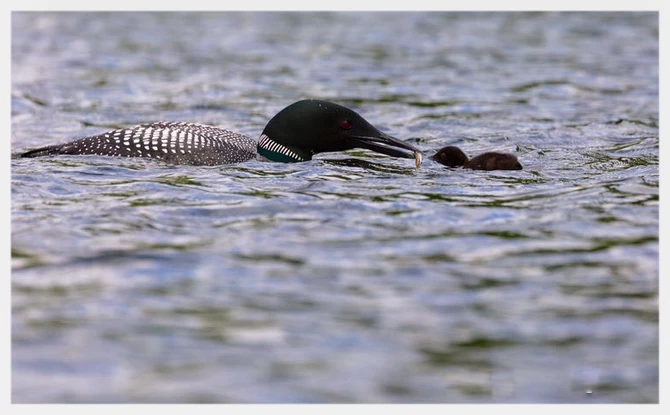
[{"x": 308, "y": 127}]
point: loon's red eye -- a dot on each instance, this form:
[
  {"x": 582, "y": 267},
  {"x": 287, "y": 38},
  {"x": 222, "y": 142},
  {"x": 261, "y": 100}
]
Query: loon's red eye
[{"x": 345, "y": 124}]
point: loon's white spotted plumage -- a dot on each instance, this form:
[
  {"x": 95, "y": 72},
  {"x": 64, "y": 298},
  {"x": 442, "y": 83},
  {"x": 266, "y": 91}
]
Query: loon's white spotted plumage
[{"x": 175, "y": 142}]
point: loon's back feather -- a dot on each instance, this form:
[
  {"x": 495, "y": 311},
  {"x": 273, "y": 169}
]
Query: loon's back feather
[
  {"x": 174, "y": 142},
  {"x": 43, "y": 151}
]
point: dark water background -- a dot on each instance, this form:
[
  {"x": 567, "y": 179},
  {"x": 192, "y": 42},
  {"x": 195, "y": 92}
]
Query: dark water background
[{"x": 353, "y": 277}]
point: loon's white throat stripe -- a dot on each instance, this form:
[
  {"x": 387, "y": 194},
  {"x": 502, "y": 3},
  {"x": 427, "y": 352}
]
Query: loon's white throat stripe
[{"x": 266, "y": 143}]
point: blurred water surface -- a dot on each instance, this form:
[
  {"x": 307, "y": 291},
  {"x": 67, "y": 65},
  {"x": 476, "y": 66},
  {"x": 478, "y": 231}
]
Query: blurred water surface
[{"x": 353, "y": 277}]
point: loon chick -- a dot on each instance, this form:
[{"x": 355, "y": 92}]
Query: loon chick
[
  {"x": 452, "y": 156},
  {"x": 296, "y": 133}
]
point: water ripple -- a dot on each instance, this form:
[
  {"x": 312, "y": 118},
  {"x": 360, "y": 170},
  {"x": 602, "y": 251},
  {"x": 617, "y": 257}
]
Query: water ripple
[{"x": 354, "y": 277}]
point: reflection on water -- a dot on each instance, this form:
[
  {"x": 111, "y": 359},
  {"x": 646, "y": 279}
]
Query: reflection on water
[{"x": 354, "y": 277}]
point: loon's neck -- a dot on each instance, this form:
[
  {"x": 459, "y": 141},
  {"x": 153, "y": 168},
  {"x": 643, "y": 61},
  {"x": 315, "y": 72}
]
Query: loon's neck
[{"x": 275, "y": 151}]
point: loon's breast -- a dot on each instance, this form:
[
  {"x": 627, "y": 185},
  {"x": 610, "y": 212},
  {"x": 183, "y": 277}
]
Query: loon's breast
[{"x": 174, "y": 142}]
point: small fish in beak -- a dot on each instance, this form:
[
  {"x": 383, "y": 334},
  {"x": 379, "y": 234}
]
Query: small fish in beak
[{"x": 418, "y": 159}]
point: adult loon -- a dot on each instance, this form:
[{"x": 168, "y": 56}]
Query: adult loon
[
  {"x": 296, "y": 133},
  {"x": 452, "y": 156}
]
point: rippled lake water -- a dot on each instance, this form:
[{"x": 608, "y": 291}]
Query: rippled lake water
[{"x": 353, "y": 277}]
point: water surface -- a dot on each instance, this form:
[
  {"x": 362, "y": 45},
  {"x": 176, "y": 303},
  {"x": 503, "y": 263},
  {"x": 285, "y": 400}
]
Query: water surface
[{"x": 353, "y": 277}]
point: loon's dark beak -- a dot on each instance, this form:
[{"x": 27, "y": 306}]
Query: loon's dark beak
[{"x": 385, "y": 144}]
